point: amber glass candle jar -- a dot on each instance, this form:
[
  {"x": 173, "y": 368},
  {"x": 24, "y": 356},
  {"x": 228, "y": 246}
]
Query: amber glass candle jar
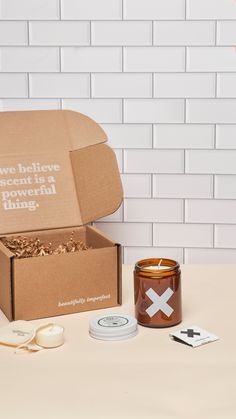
[{"x": 157, "y": 292}]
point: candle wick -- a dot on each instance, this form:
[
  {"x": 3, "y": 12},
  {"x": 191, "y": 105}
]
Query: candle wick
[{"x": 159, "y": 264}]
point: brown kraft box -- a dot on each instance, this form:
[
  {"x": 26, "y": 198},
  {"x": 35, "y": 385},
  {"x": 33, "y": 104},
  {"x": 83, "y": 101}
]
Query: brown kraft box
[{"x": 56, "y": 176}]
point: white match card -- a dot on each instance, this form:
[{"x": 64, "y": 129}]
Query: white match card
[{"x": 193, "y": 336}]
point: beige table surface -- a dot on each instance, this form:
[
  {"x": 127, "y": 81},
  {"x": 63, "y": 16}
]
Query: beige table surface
[{"x": 148, "y": 376}]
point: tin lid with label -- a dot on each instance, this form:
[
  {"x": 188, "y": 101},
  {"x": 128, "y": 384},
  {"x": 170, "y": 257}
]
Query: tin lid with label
[{"x": 113, "y": 327}]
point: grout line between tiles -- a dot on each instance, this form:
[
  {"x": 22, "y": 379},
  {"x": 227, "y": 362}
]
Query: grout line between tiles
[
  {"x": 216, "y": 32},
  {"x": 59, "y": 9},
  {"x": 119, "y": 20},
  {"x": 133, "y": 46}
]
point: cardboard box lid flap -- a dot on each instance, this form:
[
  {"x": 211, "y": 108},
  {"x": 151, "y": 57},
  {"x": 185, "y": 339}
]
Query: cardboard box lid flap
[
  {"x": 47, "y": 131},
  {"x": 83, "y": 130},
  {"x": 54, "y": 171},
  {"x": 97, "y": 181}
]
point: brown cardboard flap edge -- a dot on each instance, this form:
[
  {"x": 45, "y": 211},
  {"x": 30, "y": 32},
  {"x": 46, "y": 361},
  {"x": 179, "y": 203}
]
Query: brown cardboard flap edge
[{"x": 6, "y": 294}]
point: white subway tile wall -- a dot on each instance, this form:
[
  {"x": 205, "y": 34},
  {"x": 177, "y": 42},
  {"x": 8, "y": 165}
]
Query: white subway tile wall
[
  {"x": 184, "y": 85},
  {"x": 166, "y": 210},
  {"x": 91, "y": 9},
  {"x": 225, "y": 235},
  {"x": 183, "y": 235},
  {"x": 183, "y": 186},
  {"x": 101, "y": 110},
  {"x": 226, "y": 33},
  {"x": 154, "y": 110},
  {"x": 183, "y": 136},
  {"x": 160, "y": 77},
  {"x": 226, "y": 136},
  {"x": 122, "y": 85},
  {"x": 226, "y": 84},
  {"x": 225, "y": 186},
  {"x": 211, "y": 59},
  {"x": 184, "y": 33},
  {"x": 59, "y": 33},
  {"x": 151, "y": 59},
  {"x": 29, "y": 9},
  {"x": 29, "y": 104},
  {"x": 13, "y": 33},
  {"x": 29, "y": 59},
  {"x": 59, "y": 85},
  {"x": 121, "y": 33},
  {"x": 91, "y": 59},
  {"x": 211, "y": 9},
  {"x": 13, "y": 85},
  {"x": 154, "y": 9}
]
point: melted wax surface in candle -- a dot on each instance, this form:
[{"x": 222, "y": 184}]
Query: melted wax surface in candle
[{"x": 156, "y": 267}]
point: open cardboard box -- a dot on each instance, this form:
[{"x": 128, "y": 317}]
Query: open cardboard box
[{"x": 56, "y": 176}]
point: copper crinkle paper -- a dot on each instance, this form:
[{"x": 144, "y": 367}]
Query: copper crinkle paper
[{"x": 26, "y": 247}]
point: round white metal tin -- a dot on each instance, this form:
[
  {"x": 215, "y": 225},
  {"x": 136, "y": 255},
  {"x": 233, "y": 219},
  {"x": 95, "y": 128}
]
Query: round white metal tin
[{"x": 113, "y": 327}]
